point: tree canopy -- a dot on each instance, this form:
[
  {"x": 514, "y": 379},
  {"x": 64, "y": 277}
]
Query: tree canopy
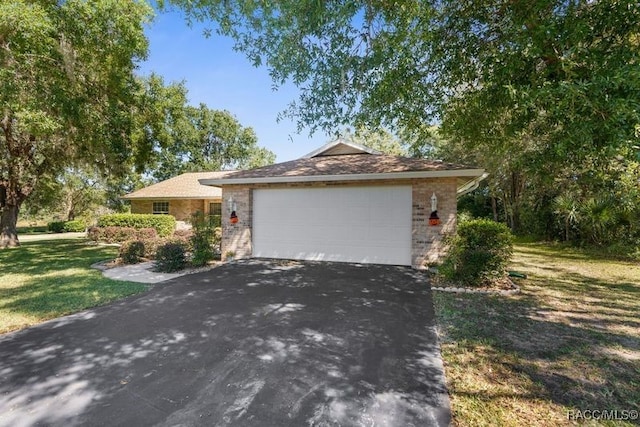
[
  {"x": 544, "y": 94},
  {"x": 66, "y": 72},
  {"x": 565, "y": 73},
  {"x": 209, "y": 140},
  {"x": 71, "y": 101}
]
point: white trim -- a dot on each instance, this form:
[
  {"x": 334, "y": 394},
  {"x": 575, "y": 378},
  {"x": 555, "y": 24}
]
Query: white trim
[
  {"x": 339, "y": 141},
  {"x": 345, "y": 177}
]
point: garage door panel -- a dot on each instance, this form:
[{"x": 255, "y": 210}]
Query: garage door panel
[{"x": 350, "y": 224}]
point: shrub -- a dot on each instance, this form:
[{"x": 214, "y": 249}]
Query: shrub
[
  {"x": 170, "y": 257},
  {"x": 479, "y": 253},
  {"x": 75, "y": 226},
  {"x": 183, "y": 233},
  {"x": 131, "y": 251},
  {"x": 205, "y": 240},
  {"x": 56, "y": 226},
  {"x": 120, "y": 234},
  {"x": 165, "y": 225}
]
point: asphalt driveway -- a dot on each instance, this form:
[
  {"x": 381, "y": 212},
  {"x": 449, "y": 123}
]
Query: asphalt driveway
[{"x": 264, "y": 343}]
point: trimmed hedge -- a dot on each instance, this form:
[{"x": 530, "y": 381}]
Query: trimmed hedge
[
  {"x": 165, "y": 225},
  {"x": 479, "y": 253},
  {"x": 75, "y": 226},
  {"x": 120, "y": 234}
]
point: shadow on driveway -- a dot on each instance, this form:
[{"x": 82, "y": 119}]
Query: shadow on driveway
[{"x": 268, "y": 343}]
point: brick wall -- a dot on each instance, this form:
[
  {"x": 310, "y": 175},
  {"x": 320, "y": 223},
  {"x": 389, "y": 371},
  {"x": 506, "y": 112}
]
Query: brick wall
[
  {"x": 180, "y": 209},
  {"x": 141, "y": 206},
  {"x": 237, "y": 237},
  {"x": 426, "y": 244},
  {"x": 183, "y": 209}
]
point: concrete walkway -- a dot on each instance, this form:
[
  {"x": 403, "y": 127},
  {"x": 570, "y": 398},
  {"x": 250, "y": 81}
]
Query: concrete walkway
[{"x": 143, "y": 272}]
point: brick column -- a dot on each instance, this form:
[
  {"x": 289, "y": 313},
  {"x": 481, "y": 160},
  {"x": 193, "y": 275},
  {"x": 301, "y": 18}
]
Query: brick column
[
  {"x": 426, "y": 241},
  {"x": 237, "y": 237}
]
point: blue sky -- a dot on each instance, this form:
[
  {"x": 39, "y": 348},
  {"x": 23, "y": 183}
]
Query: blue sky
[{"x": 225, "y": 80}]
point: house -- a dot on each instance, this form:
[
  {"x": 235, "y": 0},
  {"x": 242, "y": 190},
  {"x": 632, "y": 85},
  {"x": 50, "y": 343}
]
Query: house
[
  {"x": 180, "y": 196},
  {"x": 343, "y": 202}
]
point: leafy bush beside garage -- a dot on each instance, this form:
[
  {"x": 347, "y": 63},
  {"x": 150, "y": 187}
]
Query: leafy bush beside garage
[
  {"x": 478, "y": 254},
  {"x": 171, "y": 257}
]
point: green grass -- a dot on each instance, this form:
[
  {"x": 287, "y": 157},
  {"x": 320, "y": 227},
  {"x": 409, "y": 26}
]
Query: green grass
[
  {"x": 570, "y": 340},
  {"x": 47, "y": 279}
]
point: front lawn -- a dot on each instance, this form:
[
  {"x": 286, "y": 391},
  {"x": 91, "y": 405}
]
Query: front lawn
[
  {"x": 569, "y": 342},
  {"x": 47, "y": 279}
]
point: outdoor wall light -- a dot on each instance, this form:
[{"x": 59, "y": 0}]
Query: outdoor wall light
[
  {"x": 433, "y": 218},
  {"x": 232, "y": 207}
]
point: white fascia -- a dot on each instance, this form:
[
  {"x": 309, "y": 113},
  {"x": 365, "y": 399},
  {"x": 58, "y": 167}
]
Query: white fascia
[{"x": 345, "y": 177}]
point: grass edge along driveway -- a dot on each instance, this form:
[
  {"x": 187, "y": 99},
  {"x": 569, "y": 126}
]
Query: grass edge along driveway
[
  {"x": 568, "y": 344},
  {"x": 46, "y": 279}
]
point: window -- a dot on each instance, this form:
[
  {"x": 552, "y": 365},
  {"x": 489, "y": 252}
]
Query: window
[
  {"x": 215, "y": 214},
  {"x": 160, "y": 208},
  {"x": 215, "y": 208}
]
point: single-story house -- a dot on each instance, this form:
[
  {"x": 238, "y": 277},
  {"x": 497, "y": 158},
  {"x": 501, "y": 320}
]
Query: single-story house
[
  {"x": 343, "y": 202},
  {"x": 180, "y": 196}
]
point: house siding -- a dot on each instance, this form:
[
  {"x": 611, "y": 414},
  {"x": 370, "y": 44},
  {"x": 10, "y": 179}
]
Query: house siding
[
  {"x": 180, "y": 209},
  {"x": 426, "y": 243}
]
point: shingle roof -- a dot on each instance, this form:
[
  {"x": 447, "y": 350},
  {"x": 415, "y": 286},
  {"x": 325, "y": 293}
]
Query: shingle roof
[
  {"x": 185, "y": 186},
  {"x": 348, "y": 164}
]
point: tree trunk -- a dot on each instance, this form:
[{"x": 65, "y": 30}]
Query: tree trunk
[
  {"x": 8, "y": 230},
  {"x": 494, "y": 208}
]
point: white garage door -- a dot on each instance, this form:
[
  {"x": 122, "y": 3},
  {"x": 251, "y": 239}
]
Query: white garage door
[{"x": 349, "y": 224}]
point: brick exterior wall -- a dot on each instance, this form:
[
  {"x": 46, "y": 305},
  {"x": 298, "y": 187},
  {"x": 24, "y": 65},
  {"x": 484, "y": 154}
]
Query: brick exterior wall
[
  {"x": 180, "y": 209},
  {"x": 237, "y": 237},
  {"x": 141, "y": 206},
  {"x": 426, "y": 244}
]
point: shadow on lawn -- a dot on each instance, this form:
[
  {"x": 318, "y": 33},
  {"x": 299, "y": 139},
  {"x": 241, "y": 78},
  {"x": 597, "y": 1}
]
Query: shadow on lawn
[
  {"x": 576, "y": 339},
  {"x": 46, "y": 256},
  {"x": 47, "y": 279},
  {"x": 251, "y": 343}
]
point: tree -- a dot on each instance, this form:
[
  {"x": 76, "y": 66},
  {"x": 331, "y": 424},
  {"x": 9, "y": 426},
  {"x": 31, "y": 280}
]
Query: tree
[
  {"x": 548, "y": 85},
  {"x": 205, "y": 139},
  {"x": 380, "y": 140},
  {"x": 73, "y": 193},
  {"x": 567, "y": 70},
  {"x": 68, "y": 92}
]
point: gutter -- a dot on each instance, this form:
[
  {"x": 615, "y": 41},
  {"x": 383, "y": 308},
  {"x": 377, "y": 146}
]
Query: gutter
[{"x": 471, "y": 185}]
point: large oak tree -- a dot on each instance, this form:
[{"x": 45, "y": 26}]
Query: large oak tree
[
  {"x": 68, "y": 92},
  {"x": 541, "y": 92}
]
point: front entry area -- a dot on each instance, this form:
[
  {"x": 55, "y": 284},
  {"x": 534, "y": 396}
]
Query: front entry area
[{"x": 362, "y": 224}]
